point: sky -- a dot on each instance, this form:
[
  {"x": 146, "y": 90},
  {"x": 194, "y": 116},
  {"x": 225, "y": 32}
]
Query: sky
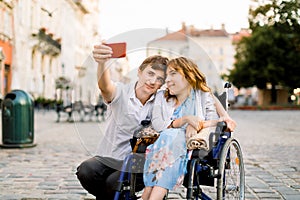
[{"x": 118, "y": 17}]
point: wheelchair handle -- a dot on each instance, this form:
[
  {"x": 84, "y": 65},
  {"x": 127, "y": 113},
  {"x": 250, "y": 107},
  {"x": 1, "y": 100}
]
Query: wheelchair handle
[
  {"x": 227, "y": 85},
  {"x": 221, "y": 126}
]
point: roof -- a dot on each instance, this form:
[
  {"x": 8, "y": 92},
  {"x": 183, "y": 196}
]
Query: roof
[
  {"x": 178, "y": 35},
  {"x": 191, "y": 31},
  {"x": 209, "y": 33},
  {"x": 238, "y": 36}
]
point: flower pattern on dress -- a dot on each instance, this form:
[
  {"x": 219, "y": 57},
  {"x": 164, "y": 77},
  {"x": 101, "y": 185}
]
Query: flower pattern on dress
[
  {"x": 179, "y": 182},
  {"x": 160, "y": 160},
  {"x": 166, "y": 159}
]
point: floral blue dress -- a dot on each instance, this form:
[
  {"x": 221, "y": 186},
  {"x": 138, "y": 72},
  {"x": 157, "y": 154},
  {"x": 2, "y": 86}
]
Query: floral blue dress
[{"x": 166, "y": 159}]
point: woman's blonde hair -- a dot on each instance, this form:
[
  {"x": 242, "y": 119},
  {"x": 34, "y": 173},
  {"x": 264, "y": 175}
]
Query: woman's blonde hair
[{"x": 190, "y": 71}]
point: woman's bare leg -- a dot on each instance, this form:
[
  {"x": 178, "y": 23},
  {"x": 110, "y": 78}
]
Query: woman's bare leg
[
  {"x": 146, "y": 193},
  {"x": 158, "y": 193}
]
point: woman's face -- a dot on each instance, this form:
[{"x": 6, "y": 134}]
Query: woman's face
[{"x": 176, "y": 83}]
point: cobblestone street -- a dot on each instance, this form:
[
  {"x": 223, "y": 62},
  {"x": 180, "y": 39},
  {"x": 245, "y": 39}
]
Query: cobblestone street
[{"x": 269, "y": 141}]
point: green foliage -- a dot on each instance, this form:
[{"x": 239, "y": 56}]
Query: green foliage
[{"x": 271, "y": 54}]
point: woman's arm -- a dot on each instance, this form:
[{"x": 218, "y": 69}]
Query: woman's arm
[
  {"x": 212, "y": 106},
  {"x": 224, "y": 116},
  {"x": 206, "y": 111},
  {"x": 192, "y": 120},
  {"x": 220, "y": 109}
]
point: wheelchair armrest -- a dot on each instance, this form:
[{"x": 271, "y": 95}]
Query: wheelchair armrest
[{"x": 139, "y": 145}]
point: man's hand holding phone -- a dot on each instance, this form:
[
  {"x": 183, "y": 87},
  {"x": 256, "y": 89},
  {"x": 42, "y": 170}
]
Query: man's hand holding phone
[
  {"x": 104, "y": 51},
  {"x": 118, "y": 49}
]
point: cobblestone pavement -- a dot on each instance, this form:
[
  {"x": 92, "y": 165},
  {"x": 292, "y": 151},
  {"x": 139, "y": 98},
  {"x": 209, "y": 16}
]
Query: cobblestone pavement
[{"x": 269, "y": 141}]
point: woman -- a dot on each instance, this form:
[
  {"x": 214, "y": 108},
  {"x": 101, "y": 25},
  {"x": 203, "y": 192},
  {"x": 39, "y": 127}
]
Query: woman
[{"x": 182, "y": 110}]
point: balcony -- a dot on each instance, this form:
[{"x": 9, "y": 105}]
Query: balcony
[
  {"x": 82, "y": 6},
  {"x": 46, "y": 43}
]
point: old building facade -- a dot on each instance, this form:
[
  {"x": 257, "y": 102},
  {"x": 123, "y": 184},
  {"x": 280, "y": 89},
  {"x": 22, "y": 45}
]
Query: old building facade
[
  {"x": 211, "y": 49},
  {"x": 43, "y": 40}
]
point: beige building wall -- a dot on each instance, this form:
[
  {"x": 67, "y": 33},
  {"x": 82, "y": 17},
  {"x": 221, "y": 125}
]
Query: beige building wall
[
  {"x": 168, "y": 48},
  {"x": 202, "y": 52},
  {"x": 219, "y": 49},
  {"x": 212, "y": 50},
  {"x": 72, "y": 24}
]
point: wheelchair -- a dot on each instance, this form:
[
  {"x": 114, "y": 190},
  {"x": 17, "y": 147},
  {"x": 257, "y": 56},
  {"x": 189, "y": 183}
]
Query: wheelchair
[
  {"x": 221, "y": 171},
  {"x": 215, "y": 174}
]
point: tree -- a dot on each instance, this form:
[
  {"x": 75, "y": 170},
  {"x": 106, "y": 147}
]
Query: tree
[{"x": 270, "y": 55}]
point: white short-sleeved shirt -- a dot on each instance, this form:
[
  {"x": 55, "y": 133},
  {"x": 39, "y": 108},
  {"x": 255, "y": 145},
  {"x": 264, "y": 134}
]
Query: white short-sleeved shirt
[{"x": 124, "y": 115}]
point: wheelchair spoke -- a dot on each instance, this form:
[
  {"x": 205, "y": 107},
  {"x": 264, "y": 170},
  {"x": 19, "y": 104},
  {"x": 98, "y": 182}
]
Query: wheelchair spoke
[
  {"x": 232, "y": 174},
  {"x": 231, "y": 185}
]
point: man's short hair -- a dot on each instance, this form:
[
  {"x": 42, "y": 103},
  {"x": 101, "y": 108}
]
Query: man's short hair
[{"x": 157, "y": 62}]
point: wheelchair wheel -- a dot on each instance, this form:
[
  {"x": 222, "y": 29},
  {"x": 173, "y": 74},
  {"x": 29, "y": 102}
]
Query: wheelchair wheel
[{"x": 231, "y": 184}]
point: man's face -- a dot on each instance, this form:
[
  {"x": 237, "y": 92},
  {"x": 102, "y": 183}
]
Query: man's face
[{"x": 150, "y": 80}]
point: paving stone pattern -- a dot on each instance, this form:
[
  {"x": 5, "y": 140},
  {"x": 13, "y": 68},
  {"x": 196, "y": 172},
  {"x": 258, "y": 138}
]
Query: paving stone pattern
[{"x": 269, "y": 140}]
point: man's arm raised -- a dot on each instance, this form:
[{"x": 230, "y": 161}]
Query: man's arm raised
[{"x": 102, "y": 54}]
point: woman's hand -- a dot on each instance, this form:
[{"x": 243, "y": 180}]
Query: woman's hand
[
  {"x": 190, "y": 131},
  {"x": 231, "y": 124},
  {"x": 195, "y": 122}
]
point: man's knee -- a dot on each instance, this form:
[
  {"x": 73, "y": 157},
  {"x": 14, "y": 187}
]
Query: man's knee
[
  {"x": 86, "y": 169},
  {"x": 87, "y": 174}
]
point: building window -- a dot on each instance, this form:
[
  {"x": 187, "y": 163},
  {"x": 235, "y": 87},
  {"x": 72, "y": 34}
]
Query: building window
[
  {"x": 33, "y": 54},
  {"x": 50, "y": 65},
  {"x": 221, "y": 67},
  {"x": 221, "y": 51}
]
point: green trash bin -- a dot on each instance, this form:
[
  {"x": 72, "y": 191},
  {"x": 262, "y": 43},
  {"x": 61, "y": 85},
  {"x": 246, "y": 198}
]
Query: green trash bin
[{"x": 17, "y": 120}]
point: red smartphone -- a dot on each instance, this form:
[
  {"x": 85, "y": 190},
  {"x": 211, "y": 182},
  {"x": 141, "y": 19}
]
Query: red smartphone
[{"x": 119, "y": 49}]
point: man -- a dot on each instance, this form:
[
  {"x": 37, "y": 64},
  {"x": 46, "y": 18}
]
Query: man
[{"x": 128, "y": 105}]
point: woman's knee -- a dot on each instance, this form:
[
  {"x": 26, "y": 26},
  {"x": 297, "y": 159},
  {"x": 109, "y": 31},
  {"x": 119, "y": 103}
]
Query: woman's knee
[
  {"x": 146, "y": 193},
  {"x": 158, "y": 193}
]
